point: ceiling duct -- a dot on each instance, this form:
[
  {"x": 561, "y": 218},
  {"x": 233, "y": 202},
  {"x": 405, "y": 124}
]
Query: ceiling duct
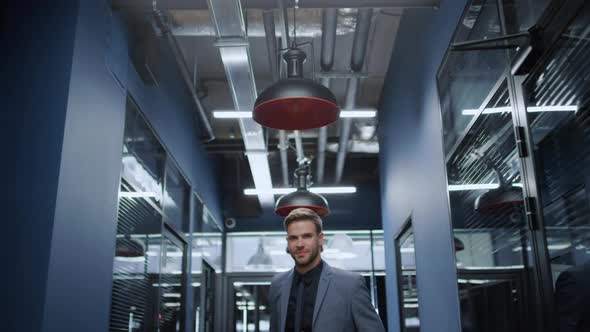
[
  {"x": 163, "y": 25},
  {"x": 329, "y": 26},
  {"x": 271, "y": 45},
  {"x": 357, "y": 58},
  {"x": 234, "y": 49}
]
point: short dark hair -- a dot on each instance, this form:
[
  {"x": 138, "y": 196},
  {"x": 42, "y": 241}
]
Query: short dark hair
[{"x": 304, "y": 214}]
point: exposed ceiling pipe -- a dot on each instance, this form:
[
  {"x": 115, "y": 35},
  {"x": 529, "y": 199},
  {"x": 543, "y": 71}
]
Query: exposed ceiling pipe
[
  {"x": 273, "y": 60},
  {"x": 285, "y": 43},
  {"x": 329, "y": 24},
  {"x": 271, "y": 43},
  {"x": 233, "y": 47},
  {"x": 351, "y": 90},
  {"x": 357, "y": 58},
  {"x": 270, "y": 4},
  {"x": 186, "y": 76},
  {"x": 299, "y": 147}
]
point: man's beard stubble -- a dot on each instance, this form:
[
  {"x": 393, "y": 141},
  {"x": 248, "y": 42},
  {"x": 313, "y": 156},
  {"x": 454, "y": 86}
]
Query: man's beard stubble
[{"x": 312, "y": 256}]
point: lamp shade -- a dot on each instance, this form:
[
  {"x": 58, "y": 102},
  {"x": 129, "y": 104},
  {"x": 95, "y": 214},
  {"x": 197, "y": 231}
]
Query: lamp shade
[
  {"x": 302, "y": 197},
  {"x": 295, "y": 103},
  {"x": 498, "y": 199},
  {"x": 129, "y": 247}
]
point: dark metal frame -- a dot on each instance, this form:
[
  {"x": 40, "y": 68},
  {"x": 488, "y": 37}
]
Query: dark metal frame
[
  {"x": 398, "y": 239},
  {"x": 169, "y": 233}
]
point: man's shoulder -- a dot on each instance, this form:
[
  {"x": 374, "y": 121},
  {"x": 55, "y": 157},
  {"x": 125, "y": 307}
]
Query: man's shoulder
[
  {"x": 279, "y": 276},
  {"x": 345, "y": 276}
]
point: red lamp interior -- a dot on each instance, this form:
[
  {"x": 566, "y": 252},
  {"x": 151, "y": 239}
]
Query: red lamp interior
[{"x": 296, "y": 113}]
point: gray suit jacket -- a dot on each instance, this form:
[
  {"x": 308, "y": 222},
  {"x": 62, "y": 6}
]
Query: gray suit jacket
[{"x": 343, "y": 303}]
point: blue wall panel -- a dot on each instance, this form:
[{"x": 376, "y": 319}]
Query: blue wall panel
[
  {"x": 413, "y": 179},
  {"x": 35, "y": 65},
  {"x": 83, "y": 236},
  {"x": 65, "y": 70}
]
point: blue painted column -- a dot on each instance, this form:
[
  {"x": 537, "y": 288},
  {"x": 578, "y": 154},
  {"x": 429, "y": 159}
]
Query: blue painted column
[
  {"x": 83, "y": 235},
  {"x": 37, "y": 41},
  {"x": 62, "y": 128},
  {"x": 413, "y": 177}
]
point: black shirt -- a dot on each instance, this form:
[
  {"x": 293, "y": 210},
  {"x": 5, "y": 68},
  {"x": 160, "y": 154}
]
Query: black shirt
[{"x": 311, "y": 280}]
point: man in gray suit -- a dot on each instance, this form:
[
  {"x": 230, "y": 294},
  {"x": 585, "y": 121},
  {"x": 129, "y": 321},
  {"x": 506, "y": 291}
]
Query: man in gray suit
[{"x": 314, "y": 295}]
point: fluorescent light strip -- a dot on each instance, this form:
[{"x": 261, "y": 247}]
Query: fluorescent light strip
[
  {"x": 483, "y": 186},
  {"x": 317, "y": 190},
  {"x": 532, "y": 109},
  {"x": 248, "y": 115},
  {"x": 536, "y": 109},
  {"x": 358, "y": 114},
  {"x": 493, "y": 110},
  {"x": 133, "y": 194}
]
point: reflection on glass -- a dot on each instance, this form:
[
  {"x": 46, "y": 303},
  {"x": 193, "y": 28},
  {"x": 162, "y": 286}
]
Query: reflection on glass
[
  {"x": 408, "y": 288},
  {"x": 206, "y": 255},
  {"x": 176, "y": 198},
  {"x": 487, "y": 212},
  {"x": 139, "y": 227},
  {"x": 171, "y": 303},
  {"x": 347, "y": 250},
  {"x": 559, "y": 116},
  {"x": 466, "y": 77},
  {"x": 206, "y": 241},
  {"x": 143, "y": 158},
  {"x": 207, "y": 312},
  {"x": 525, "y": 12},
  {"x": 251, "y": 309}
]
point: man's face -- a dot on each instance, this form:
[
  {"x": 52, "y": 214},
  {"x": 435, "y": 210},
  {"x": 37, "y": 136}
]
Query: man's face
[{"x": 304, "y": 242}]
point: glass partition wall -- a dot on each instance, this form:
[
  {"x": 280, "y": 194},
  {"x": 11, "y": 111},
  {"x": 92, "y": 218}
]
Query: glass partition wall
[
  {"x": 158, "y": 242},
  {"x": 515, "y": 144},
  {"x": 252, "y": 258}
]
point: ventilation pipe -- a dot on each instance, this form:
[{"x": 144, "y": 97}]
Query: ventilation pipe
[
  {"x": 283, "y": 18},
  {"x": 329, "y": 24},
  {"x": 357, "y": 58},
  {"x": 184, "y": 71},
  {"x": 273, "y": 60}
]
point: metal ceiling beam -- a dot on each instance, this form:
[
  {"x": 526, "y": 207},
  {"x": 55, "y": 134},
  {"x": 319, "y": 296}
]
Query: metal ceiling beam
[
  {"x": 233, "y": 46},
  {"x": 272, "y": 4}
]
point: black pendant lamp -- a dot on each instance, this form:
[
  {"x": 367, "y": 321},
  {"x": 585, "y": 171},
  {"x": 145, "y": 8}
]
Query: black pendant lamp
[
  {"x": 302, "y": 197},
  {"x": 295, "y": 103}
]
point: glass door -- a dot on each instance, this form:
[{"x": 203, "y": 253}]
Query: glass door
[
  {"x": 248, "y": 306},
  {"x": 170, "y": 286},
  {"x": 555, "y": 105}
]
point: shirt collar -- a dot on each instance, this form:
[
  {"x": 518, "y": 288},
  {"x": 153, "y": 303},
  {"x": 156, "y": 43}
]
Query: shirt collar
[{"x": 311, "y": 274}]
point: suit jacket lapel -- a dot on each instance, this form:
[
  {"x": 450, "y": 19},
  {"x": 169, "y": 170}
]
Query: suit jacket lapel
[
  {"x": 285, "y": 292},
  {"x": 325, "y": 278}
]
